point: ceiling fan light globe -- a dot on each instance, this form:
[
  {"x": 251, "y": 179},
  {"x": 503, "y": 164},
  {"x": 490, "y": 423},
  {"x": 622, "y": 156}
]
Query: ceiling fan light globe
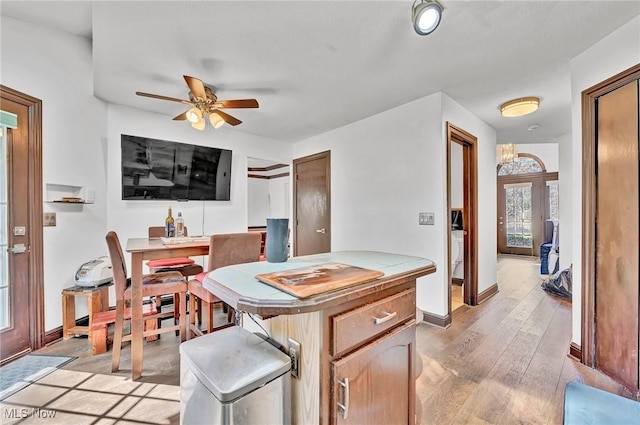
[
  {"x": 216, "y": 120},
  {"x": 199, "y": 125},
  {"x": 426, "y": 17},
  {"x": 194, "y": 115}
]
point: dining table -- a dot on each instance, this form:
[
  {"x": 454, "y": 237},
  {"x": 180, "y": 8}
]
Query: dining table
[{"x": 144, "y": 249}]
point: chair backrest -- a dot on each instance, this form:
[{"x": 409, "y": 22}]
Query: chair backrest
[
  {"x": 118, "y": 264},
  {"x": 233, "y": 248},
  {"x": 158, "y": 231}
]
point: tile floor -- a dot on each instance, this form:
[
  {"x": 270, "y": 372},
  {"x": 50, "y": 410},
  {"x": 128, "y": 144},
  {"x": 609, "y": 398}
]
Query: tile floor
[{"x": 74, "y": 397}]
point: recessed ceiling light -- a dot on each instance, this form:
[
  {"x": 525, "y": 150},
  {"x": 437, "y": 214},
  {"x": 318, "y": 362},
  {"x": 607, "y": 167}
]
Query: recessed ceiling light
[
  {"x": 426, "y": 16},
  {"x": 520, "y": 107}
]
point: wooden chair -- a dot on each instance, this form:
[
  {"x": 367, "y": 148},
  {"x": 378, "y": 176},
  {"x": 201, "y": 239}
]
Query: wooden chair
[
  {"x": 224, "y": 250},
  {"x": 184, "y": 265},
  {"x": 153, "y": 285}
]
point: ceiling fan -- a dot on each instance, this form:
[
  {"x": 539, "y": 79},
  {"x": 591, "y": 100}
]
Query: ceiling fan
[{"x": 205, "y": 103}]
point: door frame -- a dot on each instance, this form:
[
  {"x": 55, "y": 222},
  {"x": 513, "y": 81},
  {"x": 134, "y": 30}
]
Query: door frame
[
  {"x": 34, "y": 219},
  {"x": 586, "y": 351},
  {"x": 540, "y": 205},
  {"x": 296, "y": 162},
  {"x": 470, "y": 211}
]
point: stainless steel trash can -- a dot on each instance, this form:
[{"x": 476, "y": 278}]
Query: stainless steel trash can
[{"x": 233, "y": 377}]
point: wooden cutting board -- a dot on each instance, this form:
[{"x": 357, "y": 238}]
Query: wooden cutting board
[{"x": 307, "y": 281}]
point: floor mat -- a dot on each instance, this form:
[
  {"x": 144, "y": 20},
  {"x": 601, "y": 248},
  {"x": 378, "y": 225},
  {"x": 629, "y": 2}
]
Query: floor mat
[{"x": 27, "y": 370}]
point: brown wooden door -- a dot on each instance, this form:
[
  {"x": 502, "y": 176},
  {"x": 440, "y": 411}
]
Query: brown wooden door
[
  {"x": 617, "y": 231},
  {"x": 312, "y": 204},
  {"x": 16, "y": 309},
  {"x": 523, "y": 203},
  {"x": 376, "y": 384}
]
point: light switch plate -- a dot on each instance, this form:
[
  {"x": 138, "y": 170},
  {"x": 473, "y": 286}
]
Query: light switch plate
[
  {"x": 49, "y": 219},
  {"x": 426, "y": 218}
]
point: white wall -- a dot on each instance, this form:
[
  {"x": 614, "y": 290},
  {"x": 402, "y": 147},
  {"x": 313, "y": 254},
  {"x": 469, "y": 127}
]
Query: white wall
[
  {"x": 610, "y": 56},
  {"x": 565, "y": 177},
  {"x": 382, "y": 176},
  {"x": 268, "y": 198},
  {"x": 258, "y": 201},
  {"x": 132, "y": 218},
  {"x": 280, "y": 197},
  {"x": 56, "y": 68}
]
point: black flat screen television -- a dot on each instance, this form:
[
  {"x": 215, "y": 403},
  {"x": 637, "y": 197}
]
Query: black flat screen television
[{"x": 160, "y": 169}]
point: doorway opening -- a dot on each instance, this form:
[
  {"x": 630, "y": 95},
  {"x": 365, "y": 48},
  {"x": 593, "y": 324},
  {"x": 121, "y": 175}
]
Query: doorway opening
[
  {"x": 528, "y": 206},
  {"x": 462, "y": 220}
]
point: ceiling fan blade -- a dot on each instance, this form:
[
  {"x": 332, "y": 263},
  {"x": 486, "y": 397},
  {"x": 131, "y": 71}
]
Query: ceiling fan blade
[
  {"x": 196, "y": 86},
  {"x": 228, "y": 118},
  {"x": 157, "y": 96},
  {"x": 238, "y": 103},
  {"x": 181, "y": 117}
]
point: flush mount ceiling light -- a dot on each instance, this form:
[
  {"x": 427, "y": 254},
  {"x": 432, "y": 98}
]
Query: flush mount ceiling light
[
  {"x": 519, "y": 107},
  {"x": 426, "y": 16}
]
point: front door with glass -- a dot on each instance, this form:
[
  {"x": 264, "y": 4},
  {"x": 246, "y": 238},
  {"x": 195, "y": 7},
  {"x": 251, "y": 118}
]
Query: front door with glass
[
  {"x": 17, "y": 331},
  {"x": 527, "y": 197}
]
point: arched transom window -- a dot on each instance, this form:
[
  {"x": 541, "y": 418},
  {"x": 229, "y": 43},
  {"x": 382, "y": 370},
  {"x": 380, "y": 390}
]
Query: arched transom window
[{"x": 525, "y": 163}]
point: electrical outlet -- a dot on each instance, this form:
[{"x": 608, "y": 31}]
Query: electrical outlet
[
  {"x": 294, "y": 354},
  {"x": 426, "y": 218}
]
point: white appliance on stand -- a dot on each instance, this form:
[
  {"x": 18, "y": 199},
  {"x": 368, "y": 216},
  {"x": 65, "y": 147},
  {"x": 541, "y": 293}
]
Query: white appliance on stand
[{"x": 457, "y": 254}]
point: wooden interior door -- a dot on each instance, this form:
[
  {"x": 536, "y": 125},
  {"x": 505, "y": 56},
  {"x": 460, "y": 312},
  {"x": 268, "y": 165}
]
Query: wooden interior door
[
  {"x": 21, "y": 290},
  {"x": 617, "y": 230},
  {"x": 312, "y": 204}
]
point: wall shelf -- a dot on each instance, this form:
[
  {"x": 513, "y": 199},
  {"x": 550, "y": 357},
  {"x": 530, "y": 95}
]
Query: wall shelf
[{"x": 60, "y": 193}]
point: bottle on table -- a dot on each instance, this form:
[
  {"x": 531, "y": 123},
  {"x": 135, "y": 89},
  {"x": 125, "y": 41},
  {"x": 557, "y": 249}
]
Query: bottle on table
[
  {"x": 179, "y": 225},
  {"x": 169, "y": 228}
]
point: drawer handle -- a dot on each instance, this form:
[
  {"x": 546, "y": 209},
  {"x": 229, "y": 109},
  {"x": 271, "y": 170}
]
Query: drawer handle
[
  {"x": 386, "y": 318},
  {"x": 345, "y": 398}
]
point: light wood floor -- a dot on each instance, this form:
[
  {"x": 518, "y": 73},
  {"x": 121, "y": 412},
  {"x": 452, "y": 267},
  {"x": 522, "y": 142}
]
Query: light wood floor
[{"x": 503, "y": 362}]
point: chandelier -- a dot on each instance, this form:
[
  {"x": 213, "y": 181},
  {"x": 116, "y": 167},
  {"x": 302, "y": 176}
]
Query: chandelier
[{"x": 507, "y": 153}]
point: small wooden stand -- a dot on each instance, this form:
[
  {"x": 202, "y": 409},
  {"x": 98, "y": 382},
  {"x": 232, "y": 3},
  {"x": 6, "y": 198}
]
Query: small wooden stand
[{"x": 97, "y": 299}]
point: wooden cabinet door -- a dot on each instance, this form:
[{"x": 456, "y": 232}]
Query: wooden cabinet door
[{"x": 375, "y": 384}]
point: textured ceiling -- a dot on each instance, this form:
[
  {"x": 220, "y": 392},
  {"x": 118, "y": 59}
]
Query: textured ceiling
[{"x": 318, "y": 65}]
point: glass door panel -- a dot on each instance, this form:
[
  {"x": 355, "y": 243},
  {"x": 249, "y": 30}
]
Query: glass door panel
[
  {"x": 5, "y": 305},
  {"x": 518, "y": 217}
]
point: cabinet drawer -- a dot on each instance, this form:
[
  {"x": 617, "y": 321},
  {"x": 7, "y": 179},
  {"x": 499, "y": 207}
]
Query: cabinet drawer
[{"x": 364, "y": 323}]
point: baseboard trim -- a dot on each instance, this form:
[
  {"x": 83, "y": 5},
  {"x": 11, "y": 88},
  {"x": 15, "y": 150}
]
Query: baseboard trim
[
  {"x": 53, "y": 335},
  {"x": 575, "y": 351},
  {"x": 457, "y": 281},
  {"x": 436, "y": 320},
  {"x": 488, "y": 293}
]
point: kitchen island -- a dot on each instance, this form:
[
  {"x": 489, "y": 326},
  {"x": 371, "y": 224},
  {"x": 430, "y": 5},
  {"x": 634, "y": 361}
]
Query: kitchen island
[{"x": 357, "y": 355}]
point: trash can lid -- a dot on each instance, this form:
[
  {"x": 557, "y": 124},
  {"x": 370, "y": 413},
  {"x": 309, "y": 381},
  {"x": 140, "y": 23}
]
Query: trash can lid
[{"x": 233, "y": 362}]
